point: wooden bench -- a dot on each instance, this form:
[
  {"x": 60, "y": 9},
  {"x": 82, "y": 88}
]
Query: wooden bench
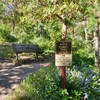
[{"x": 20, "y": 48}]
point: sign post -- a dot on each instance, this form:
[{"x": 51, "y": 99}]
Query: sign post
[
  {"x": 63, "y": 58},
  {"x": 63, "y": 76}
]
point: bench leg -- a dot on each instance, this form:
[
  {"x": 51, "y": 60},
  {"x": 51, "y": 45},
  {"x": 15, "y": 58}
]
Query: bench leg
[
  {"x": 17, "y": 58},
  {"x": 37, "y": 56}
]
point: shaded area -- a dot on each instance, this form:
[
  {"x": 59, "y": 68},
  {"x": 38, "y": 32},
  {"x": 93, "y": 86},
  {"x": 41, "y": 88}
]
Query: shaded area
[
  {"x": 6, "y": 51},
  {"x": 11, "y": 75}
]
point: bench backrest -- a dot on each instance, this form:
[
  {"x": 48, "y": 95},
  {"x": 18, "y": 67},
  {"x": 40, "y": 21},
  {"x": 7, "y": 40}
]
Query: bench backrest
[{"x": 19, "y": 48}]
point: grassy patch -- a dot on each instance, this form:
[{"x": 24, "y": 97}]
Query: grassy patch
[
  {"x": 6, "y": 51},
  {"x": 19, "y": 94}
]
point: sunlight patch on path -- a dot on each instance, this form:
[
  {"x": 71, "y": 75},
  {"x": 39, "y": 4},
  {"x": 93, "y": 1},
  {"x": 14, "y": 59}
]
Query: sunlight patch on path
[{"x": 11, "y": 75}]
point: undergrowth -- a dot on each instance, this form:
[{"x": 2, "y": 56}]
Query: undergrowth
[{"x": 82, "y": 80}]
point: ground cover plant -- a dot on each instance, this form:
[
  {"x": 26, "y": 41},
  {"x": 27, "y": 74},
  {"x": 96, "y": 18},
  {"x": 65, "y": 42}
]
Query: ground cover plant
[{"x": 82, "y": 81}]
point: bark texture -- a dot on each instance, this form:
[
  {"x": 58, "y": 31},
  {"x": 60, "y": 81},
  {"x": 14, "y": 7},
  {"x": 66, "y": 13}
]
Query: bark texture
[
  {"x": 64, "y": 31},
  {"x": 96, "y": 40},
  {"x": 86, "y": 34},
  {"x": 72, "y": 32}
]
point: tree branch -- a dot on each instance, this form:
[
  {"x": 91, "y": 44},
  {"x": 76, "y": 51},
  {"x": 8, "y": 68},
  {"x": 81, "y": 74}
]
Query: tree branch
[{"x": 60, "y": 18}]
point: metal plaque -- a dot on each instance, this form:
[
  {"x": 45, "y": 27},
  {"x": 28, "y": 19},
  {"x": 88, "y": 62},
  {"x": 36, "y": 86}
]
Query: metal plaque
[{"x": 63, "y": 56}]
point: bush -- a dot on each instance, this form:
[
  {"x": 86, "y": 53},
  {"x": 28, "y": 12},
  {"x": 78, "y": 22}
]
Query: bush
[
  {"x": 82, "y": 79},
  {"x": 5, "y": 34},
  {"x": 45, "y": 84},
  {"x": 83, "y": 53},
  {"x": 6, "y": 51},
  {"x": 47, "y": 46}
]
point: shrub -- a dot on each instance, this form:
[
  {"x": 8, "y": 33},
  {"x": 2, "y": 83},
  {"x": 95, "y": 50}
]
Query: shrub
[
  {"x": 6, "y": 51},
  {"x": 47, "y": 46},
  {"x": 45, "y": 84},
  {"x": 5, "y": 34}
]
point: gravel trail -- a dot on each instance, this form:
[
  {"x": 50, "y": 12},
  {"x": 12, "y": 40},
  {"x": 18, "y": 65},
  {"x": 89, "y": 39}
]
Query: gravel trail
[{"x": 11, "y": 75}]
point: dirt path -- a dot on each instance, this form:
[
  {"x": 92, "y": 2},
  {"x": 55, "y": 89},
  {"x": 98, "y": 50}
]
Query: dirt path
[{"x": 11, "y": 75}]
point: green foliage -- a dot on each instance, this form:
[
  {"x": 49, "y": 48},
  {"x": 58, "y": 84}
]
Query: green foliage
[
  {"x": 83, "y": 53},
  {"x": 5, "y": 34},
  {"x": 30, "y": 34},
  {"x": 82, "y": 79},
  {"x": 91, "y": 24},
  {"x": 45, "y": 84},
  {"x": 6, "y": 51}
]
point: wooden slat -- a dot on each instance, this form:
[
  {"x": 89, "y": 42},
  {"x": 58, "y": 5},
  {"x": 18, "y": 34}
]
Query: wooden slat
[{"x": 18, "y": 48}]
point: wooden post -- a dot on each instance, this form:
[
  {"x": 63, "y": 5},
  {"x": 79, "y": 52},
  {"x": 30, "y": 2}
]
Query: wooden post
[
  {"x": 63, "y": 77},
  {"x": 63, "y": 68},
  {"x": 63, "y": 58}
]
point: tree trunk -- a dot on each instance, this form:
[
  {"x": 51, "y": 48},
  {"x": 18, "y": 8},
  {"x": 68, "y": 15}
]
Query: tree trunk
[
  {"x": 86, "y": 35},
  {"x": 64, "y": 31},
  {"x": 13, "y": 26},
  {"x": 96, "y": 40},
  {"x": 14, "y": 3},
  {"x": 64, "y": 26},
  {"x": 41, "y": 28},
  {"x": 72, "y": 32}
]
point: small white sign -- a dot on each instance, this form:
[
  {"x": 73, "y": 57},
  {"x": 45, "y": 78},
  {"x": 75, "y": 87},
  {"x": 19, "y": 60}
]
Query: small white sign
[{"x": 63, "y": 59}]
